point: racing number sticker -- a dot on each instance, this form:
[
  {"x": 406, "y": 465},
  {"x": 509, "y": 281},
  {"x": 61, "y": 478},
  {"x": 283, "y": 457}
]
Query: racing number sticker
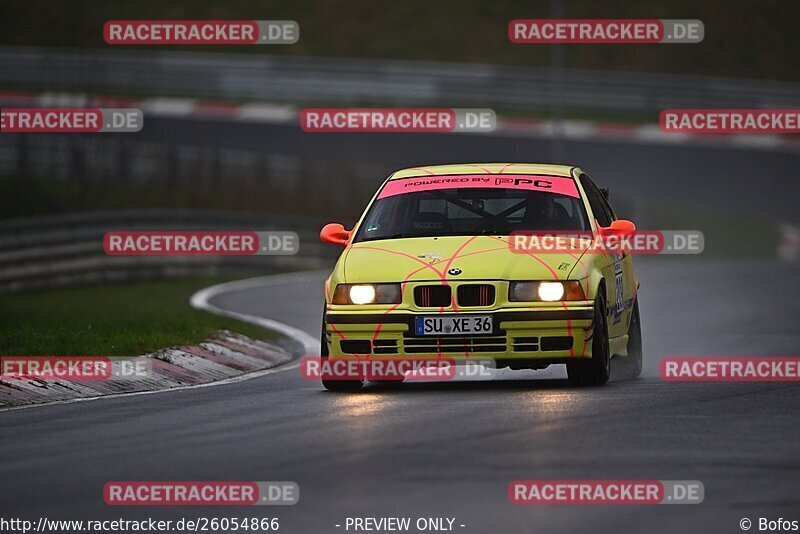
[{"x": 620, "y": 287}]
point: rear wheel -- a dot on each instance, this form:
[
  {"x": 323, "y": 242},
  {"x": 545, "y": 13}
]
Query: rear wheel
[
  {"x": 631, "y": 365},
  {"x": 335, "y": 385},
  {"x": 597, "y": 370}
]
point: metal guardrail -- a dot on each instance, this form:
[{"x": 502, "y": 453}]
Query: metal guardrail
[
  {"x": 305, "y": 80},
  {"x": 64, "y": 250}
]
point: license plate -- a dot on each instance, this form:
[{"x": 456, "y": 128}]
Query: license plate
[{"x": 452, "y": 325}]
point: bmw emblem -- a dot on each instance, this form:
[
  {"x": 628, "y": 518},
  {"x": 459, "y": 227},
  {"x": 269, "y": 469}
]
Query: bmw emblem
[{"x": 455, "y": 271}]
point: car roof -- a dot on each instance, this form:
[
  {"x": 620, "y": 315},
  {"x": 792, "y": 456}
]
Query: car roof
[{"x": 485, "y": 168}]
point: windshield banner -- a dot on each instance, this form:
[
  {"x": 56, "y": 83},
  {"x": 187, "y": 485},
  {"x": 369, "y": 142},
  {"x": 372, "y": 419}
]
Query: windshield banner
[{"x": 550, "y": 184}]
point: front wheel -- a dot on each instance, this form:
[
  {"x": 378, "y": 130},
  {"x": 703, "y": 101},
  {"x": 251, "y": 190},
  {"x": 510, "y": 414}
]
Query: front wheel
[
  {"x": 597, "y": 371},
  {"x": 335, "y": 385}
]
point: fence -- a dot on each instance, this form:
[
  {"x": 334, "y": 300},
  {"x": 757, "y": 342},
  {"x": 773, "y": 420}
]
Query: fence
[{"x": 347, "y": 81}]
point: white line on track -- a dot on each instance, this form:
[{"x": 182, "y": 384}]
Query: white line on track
[{"x": 201, "y": 300}]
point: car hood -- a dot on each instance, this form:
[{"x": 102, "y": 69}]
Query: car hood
[{"x": 428, "y": 258}]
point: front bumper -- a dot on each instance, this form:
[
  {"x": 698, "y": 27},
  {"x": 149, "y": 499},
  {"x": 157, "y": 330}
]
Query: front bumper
[{"x": 545, "y": 334}]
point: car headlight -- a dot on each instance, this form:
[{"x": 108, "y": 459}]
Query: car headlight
[
  {"x": 367, "y": 294},
  {"x": 362, "y": 294},
  {"x": 550, "y": 291},
  {"x": 545, "y": 291}
]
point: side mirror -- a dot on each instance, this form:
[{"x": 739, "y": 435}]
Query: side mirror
[
  {"x": 620, "y": 227},
  {"x": 335, "y": 234}
]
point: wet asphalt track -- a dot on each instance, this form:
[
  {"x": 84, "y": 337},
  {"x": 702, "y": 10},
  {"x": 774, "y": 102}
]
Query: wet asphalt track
[{"x": 450, "y": 449}]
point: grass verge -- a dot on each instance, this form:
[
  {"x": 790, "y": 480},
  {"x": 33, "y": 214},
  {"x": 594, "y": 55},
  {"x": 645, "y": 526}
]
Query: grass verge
[{"x": 110, "y": 320}]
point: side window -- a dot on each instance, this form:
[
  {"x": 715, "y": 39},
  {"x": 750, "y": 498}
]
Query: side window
[
  {"x": 599, "y": 205},
  {"x": 608, "y": 207}
]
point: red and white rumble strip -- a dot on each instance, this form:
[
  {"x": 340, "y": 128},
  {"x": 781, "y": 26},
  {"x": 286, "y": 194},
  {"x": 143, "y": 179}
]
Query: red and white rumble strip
[{"x": 32, "y": 380}]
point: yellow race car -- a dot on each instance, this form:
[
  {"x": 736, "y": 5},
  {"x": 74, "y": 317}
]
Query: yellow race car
[{"x": 431, "y": 270}]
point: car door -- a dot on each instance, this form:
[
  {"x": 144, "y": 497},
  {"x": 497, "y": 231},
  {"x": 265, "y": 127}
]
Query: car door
[
  {"x": 629, "y": 285},
  {"x": 618, "y": 272}
]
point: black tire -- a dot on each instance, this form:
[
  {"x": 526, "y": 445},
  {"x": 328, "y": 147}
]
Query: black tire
[
  {"x": 335, "y": 385},
  {"x": 630, "y": 366},
  {"x": 597, "y": 370}
]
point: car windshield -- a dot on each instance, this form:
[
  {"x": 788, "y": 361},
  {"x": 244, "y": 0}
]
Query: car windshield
[{"x": 471, "y": 211}]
